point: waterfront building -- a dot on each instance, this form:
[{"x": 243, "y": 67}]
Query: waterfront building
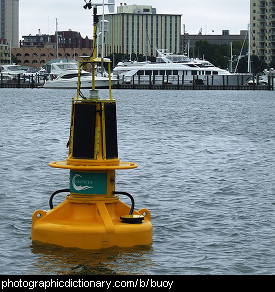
[
  {"x": 262, "y": 26},
  {"x": 9, "y": 27},
  {"x": 66, "y": 39},
  {"x": 36, "y": 50},
  {"x": 4, "y": 52},
  {"x": 138, "y": 29},
  {"x": 189, "y": 41},
  {"x": 37, "y": 56}
]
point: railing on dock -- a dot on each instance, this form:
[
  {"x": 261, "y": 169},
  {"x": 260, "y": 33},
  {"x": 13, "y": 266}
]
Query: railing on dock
[
  {"x": 35, "y": 81},
  {"x": 177, "y": 83},
  {"x": 191, "y": 87},
  {"x": 22, "y": 81}
]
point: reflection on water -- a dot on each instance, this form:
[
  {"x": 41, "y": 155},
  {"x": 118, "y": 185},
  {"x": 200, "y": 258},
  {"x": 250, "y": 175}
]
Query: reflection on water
[{"x": 51, "y": 259}]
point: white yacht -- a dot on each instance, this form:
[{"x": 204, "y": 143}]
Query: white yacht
[
  {"x": 178, "y": 69},
  {"x": 11, "y": 71},
  {"x": 65, "y": 75}
]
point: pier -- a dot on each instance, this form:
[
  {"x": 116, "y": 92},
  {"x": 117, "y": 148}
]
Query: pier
[
  {"x": 176, "y": 83},
  {"x": 196, "y": 84},
  {"x": 191, "y": 87},
  {"x": 25, "y": 81},
  {"x": 21, "y": 85},
  {"x": 34, "y": 81}
]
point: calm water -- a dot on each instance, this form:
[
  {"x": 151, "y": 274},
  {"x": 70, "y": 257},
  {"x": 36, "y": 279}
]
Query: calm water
[{"x": 206, "y": 172}]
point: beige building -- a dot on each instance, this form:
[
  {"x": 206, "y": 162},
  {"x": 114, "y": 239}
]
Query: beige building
[
  {"x": 4, "y": 52},
  {"x": 262, "y": 25},
  {"x": 190, "y": 40},
  {"x": 138, "y": 29},
  {"x": 9, "y": 27},
  {"x": 37, "y": 57}
]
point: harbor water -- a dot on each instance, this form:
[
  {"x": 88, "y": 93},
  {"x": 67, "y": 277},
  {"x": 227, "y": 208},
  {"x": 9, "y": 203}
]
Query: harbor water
[{"x": 206, "y": 173}]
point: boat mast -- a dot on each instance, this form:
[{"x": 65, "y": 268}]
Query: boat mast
[
  {"x": 56, "y": 38},
  {"x": 10, "y": 54},
  {"x": 240, "y": 55},
  {"x": 249, "y": 51},
  {"x": 231, "y": 58},
  {"x": 102, "y": 31}
]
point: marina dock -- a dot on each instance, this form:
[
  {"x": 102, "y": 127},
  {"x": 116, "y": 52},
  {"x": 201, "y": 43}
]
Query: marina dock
[
  {"x": 150, "y": 85},
  {"x": 154, "y": 86},
  {"x": 191, "y": 87},
  {"x": 30, "y": 81},
  {"x": 20, "y": 85}
]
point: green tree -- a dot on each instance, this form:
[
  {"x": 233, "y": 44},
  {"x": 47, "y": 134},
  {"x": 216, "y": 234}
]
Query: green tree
[
  {"x": 219, "y": 55},
  {"x": 216, "y": 54},
  {"x": 272, "y": 64},
  {"x": 257, "y": 65}
]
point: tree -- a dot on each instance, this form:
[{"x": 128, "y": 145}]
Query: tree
[
  {"x": 220, "y": 55},
  {"x": 257, "y": 65},
  {"x": 272, "y": 64},
  {"x": 216, "y": 54}
]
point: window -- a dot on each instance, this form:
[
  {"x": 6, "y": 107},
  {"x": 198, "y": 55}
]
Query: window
[{"x": 69, "y": 76}]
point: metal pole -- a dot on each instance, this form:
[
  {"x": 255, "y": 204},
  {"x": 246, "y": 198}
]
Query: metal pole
[
  {"x": 249, "y": 50},
  {"x": 56, "y": 38},
  {"x": 102, "y": 32}
]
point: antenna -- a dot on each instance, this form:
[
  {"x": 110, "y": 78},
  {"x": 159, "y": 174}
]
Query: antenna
[
  {"x": 110, "y": 4},
  {"x": 111, "y": 8}
]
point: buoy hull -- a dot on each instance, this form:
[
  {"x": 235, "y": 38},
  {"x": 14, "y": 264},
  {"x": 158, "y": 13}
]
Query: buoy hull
[{"x": 90, "y": 224}]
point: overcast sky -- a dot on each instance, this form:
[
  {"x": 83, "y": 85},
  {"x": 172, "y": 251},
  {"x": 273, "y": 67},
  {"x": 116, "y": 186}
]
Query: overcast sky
[{"x": 211, "y": 15}]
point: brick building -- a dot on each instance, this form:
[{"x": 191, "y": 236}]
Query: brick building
[{"x": 37, "y": 50}]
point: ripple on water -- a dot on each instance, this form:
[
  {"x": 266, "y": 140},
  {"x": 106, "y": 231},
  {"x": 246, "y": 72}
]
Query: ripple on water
[{"x": 206, "y": 163}]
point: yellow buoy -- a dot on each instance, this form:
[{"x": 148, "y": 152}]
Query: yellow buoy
[{"x": 92, "y": 216}]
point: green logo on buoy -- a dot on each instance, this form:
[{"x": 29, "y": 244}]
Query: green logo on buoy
[{"x": 88, "y": 183}]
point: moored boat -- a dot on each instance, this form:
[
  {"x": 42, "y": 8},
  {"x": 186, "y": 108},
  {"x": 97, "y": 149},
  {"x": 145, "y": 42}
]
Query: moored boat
[
  {"x": 175, "y": 69},
  {"x": 11, "y": 71},
  {"x": 65, "y": 75}
]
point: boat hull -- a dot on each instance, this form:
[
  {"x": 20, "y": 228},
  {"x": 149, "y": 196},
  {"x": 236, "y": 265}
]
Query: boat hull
[
  {"x": 231, "y": 80},
  {"x": 72, "y": 84}
]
